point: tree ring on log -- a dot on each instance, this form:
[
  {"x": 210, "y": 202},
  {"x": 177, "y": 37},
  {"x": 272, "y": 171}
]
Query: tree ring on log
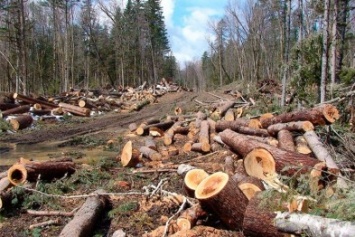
[
  {"x": 331, "y": 113},
  {"x": 130, "y": 157},
  {"x": 249, "y": 189},
  {"x": 17, "y": 174},
  {"x": 259, "y": 163},
  {"x": 192, "y": 179},
  {"x": 211, "y": 185}
]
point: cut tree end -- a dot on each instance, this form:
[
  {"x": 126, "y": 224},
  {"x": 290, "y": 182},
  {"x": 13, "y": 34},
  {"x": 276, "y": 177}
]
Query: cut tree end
[
  {"x": 331, "y": 113},
  {"x": 249, "y": 189},
  {"x": 211, "y": 185},
  {"x": 194, "y": 177},
  {"x": 183, "y": 224},
  {"x": 17, "y": 174},
  {"x": 259, "y": 163},
  {"x": 130, "y": 157}
]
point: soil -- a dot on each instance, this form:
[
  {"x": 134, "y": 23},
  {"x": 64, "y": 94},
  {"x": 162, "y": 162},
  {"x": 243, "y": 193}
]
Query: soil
[{"x": 134, "y": 214}]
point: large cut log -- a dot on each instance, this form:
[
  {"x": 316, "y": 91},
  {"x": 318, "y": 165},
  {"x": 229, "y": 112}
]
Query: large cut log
[
  {"x": 192, "y": 179},
  {"x": 32, "y": 170},
  {"x": 258, "y": 220},
  {"x": 18, "y": 110},
  {"x": 87, "y": 217},
  {"x": 219, "y": 193},
  {"x": 147, "y": 122},
  {"x": 267, "y": 156},
  {"x": 32, "y": 101},
  {"x": 143, "y": 130},
  {"x": 302, "y": 126},
  {"x": 321, "y": 115},
  {"x": 130, "y": 156},
  {"x": 285, "y": 139},
  {"x": 237, "y": 127},
  {"x": 21, "y": 122},
  {"x": 85, "y": 112}
]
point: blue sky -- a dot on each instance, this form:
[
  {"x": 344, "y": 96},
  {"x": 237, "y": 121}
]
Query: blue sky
[{"x": 187, "y": 25}]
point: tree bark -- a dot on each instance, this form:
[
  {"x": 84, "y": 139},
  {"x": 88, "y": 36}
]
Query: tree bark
[
  {"x": 192, "y": 179},
  {"x": 75, "y": 109},
  {"x": 237, "y": 127},
  {"x": 17, "y": 110},
  {"x": 320, "y": 115},
  {"x": 44, "y": 104},
  {"x": 325, "y": 52},
  {"x": 130, "y": 156},
  {"x": 87, "y": 217},
  {"x": 21, "y": 122},
  {"x": 188, "y": 218},
  {"x": 291, "y": 126},
  {"x": 143, "y": 130},
  {"x": 285, "y": 139},
  {"x": 150, "y": 153}
]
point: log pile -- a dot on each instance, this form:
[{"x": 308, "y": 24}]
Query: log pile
[{"x": 20, "y": 110}]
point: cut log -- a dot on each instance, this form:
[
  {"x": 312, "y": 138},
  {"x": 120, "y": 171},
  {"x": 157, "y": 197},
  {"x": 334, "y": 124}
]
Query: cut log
[
  {"x": 17, "y": 110},
  {"x": 87, "y": 217},
  {"x": 130, "y": 156},
  {"x": 178, "y": 110},
  {"x": 321, "y": 115},
  {"x": 150, "y": 153},
  {"x": 204, "y": 137},
  {"x": 222, "y": 109},
  {"x": 285, "y": 139},
  {"x": 188, "y": 218},
  {"x": 229, "y": 116},
  {"x": 86, "y": 104},
  {"x": 311, "y": 225},
  {"x": 4, "y": 184},
  {"x": 200, "y": 116},
  {"x": 21, "y": 122},
  {"x": 31, "y": 170},
  {"x": 44, "y": 104},
  {"x": 138, "y": 106},
  {"x": 211, "y": 125},
  {"x": 302, "y": 126},
  {"x": 200, "y": 147},
  {"x": 219, "y": 193},
  {"x": 85, "y": 112},
  {"x": 149, "y": 142},
  {"x": 192, "y": 179},
  {"x": 258, "y": 220},
  {"x": 302, "y": 145},
  {"x": 169, "y": 135},
  {"x": 6, "y": 106},
  {"x": 143, "y": 130},
  {"x": 265, "y": 156},
  {"x": 132, "y": 127},
  {"x": 237, "y": 127},
  {"x": 229, "y": 166},
  {"x": 320, "y": 151}
]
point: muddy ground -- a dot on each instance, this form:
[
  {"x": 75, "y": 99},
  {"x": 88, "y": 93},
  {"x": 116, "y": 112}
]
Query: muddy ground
[{"x": 134, "y": 214}]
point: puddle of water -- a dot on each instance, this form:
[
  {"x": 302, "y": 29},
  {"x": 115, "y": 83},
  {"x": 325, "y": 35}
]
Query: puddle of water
[{"x": 10, "y": 153}]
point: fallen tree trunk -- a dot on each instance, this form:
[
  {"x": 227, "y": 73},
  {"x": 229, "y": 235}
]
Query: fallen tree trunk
[
  {"x": 219, "y": 193},
  {"x": 44, "y": 104},
  {"x": 271, "y": 156},
  {"x": 85, "y": 112},
  {"x": 150, "y": 153},
  {"x": 86, "y": 218},
  {"x": 222, "y": 109},
  {"x": 291, "y": 126},
  {"x": 237, "y": 127},
  {"x": 17, "y": 110},
  {"x": 144, "y": 129},
  {"x": 204, "y": 137},
  {"x": 321, "y": 115},
  {"x": 188, "y": 218},
  {"x": 31, "y": 170},
  {"x": 21, "y": 122},
  {"x": 169, "y": 135},
  {"x": 285, "y": 139}
]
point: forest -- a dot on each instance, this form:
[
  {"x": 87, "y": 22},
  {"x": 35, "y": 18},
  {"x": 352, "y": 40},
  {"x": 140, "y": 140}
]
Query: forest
[{"x": 50, "y": 46}]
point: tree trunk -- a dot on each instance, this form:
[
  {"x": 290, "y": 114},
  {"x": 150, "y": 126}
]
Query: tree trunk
[
  {"x": 192, "y": 179},
  {"x": 302, "y": 126},
  {"x": 325, "y": 50},
  {"x": 32, "y": 101},
  {"x": 219, "y": 193},
  {"x": 238, "y": 127},
  {"x": 286, "y": 140},
  {"x": 21, "y": 122},
  {"x": 85, "y": 112},
  {"x": 87, "y": 217},
  {"x": 18, "y": 110}
]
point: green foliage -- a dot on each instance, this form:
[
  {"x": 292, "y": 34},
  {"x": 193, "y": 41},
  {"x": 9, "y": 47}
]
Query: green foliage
[
  {"x": 4, "y": 126},
  {"x": 124, "y": 209},
  {"x": 36, "y": 232},
  {"x": 347, "y": 75}
]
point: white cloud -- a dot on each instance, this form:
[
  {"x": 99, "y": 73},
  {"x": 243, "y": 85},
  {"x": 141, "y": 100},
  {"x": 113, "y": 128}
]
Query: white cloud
[{"x": 168, "y": 11}]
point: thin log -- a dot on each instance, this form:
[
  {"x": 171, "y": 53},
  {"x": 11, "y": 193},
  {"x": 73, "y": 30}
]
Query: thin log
[
  {"x": 204, "y": 137},
  {"x": 285, "y": 139},
  {"x": 169, "y": 135},
  {"x": 222, "y": 109},
  {"x": 200, "y": 147},
  {"x": 299, "y": 126},
  {"x": 44, "y": 104},
  {"x": 85, "y": 112},
  {"x": 21, "y": 122},
  {"x": 281, "y": 158},
  {"x": 87, "y": 217},
  {"x": 143, "y": 130},
  {"x": 200, "y": 116},
  {"x": 83, "y": 103},
  {"x": 218, "y": 193},
  {"x": 130, "y": 156},
  {"x": 192, "y": 179},
  {"x": 150, "y": 153},
  {"x": 6, "y": 106},
  {"x": 302, "y": 145},
  {"x": 188, "y": 218},
  {"x": 321, "y": 115},
  {"x": 311, "y": 225},
  {"x": 45, "y": 223},
  {"x": 132, "y": 127},
  {"x": 31, "y": 171},
  {"x": 149, "y": 142},
  {"x": 237, "y": 127},
  {"x": 4, "y": 184},
  {"x": 18, "y": 110}
]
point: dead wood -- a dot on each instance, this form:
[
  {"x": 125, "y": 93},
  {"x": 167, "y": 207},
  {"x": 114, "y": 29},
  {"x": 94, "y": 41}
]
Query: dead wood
[
  {"x": 302, "y": 145},
  {"x": 200, "y": 116},
  {"x": 6, "y": 106},
  {"x": 278, "y": 158},
  {"x": 17, "y": 110},
  {"x": 29, "y": 100},
  {"x": 169, "y": 134},
  {"x": 302, "y": 126},
  {"x": 150, "y": 153},
  {"x": 321, "y": 115},
  {"x": 192, "y": 179},
  {"x": 4, "y": 184},
  {"x": 237, "y": 127},
  {"x": 132, "y": 127},
  {"x": 204, "y": 137},
  {"x": 87, "y": 217},
  {"x": 222, "y": 109},
  {"x": 32, "y": 170},
  {"x": 188, "y": 218},
  {"x": 229, "y": 116},
  {"x": 202, "y": 230},
  {"x": 149, "y": 142},
  {"x": 21, "y": 122},
  {"x": 130, "y": 156},
  {"x": 218, "y": 193},
  {"x": 285, "y": 139},
  {"x": 143, "y": 130},
  {"x": 76, "y": 110},
  {"x": 229, "y": 165},
  {"x": 199, "y": 147}
]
